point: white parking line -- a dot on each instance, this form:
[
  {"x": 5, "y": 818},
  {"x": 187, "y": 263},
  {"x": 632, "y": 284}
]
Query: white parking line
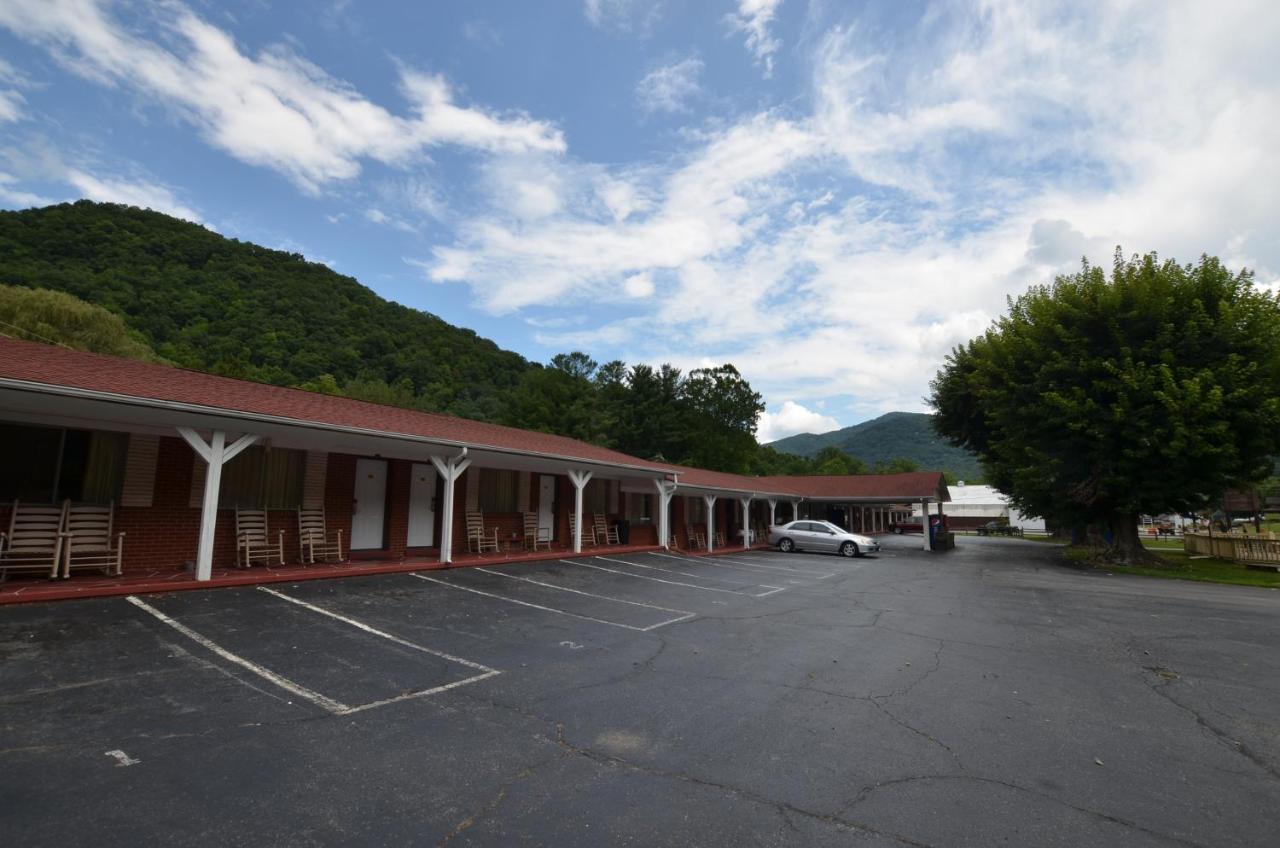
[
  {"x": 739, "y": 565},
  {"x": 328, "y": 704},
  {"x": 684, "y": 617},
  {"x": 323, "y": 701},
  {"x": 773, "y": 589},
  {"x": 486, "y": 671}
]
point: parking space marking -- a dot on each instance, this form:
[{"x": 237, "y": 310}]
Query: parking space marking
[
  {"x": 485, "y": 671},
  {"x": 324, "y": 702},
  {"x": 754, "y": 564},
  {"x": 327, "y": 704},
  {"x": 684, "y": 617},
  {"x": 739, "y": 565},
  {"x": 773, "y": 590}
]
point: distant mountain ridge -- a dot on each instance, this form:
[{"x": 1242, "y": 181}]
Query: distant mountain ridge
[{"x": 907, "y": 435}]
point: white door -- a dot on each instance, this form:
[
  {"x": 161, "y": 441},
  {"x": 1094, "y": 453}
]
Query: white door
[
  {"x": 370, "y": 504},
  {"x": 547, "y": 503},
  {"x": 422, "y": 511}
]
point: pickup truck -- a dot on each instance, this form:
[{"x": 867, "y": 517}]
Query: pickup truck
[
  {"x": 907, "y": 525},
  {"x": 995, "y": 528}
]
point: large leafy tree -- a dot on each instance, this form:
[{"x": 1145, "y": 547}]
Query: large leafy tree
[
  {"x": 1095, "y": 400},
  {"x": 59, "y": 318}
]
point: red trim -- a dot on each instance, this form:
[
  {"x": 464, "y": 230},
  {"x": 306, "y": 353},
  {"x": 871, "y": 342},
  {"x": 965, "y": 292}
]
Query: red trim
[{"x": 21, "y": 591}]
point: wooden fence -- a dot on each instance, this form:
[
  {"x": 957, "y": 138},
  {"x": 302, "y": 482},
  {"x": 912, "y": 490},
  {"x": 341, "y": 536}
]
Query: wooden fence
[{"x": 1260, "y": 550}]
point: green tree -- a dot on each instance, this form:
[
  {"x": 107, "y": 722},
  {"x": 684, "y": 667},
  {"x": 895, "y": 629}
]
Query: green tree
[
  {"x": 897, "y": 465},
  {"x": 832, "y": 460},
  {"x": 59, "y": 318},
  {"x": 1096, "y": 400}
]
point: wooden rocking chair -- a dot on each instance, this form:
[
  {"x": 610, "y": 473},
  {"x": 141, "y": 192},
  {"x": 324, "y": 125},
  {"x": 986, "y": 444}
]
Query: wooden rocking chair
[
  {"x": 480, "y": 540},
  {"x": 697, "y": 539},
  {"x": 314, "y": 539},
  {"x": 587, "y": 538},
  {"x": 604, "y": 530},
  {"x": 253, "y": 539},
  {"x": 34, "y": 540},
  {"x": 90, "y": 542},
  {"x": 535, "y": 535}
]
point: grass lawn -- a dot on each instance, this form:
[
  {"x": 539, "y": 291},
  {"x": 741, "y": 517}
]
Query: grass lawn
[{"x": 1208, "y": 570}]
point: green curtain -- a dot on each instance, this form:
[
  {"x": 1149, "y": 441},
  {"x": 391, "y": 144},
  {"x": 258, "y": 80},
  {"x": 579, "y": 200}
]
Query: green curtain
[{"x": 104, "y": 467}]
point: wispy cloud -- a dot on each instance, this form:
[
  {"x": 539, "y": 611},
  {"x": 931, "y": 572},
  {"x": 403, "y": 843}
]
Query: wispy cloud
[
  {"x": 131, "y": 192},
  {"x": 671, "y": 87},
  {"x": 274, "y": 109},
  {"x": 754, "y": 19}
]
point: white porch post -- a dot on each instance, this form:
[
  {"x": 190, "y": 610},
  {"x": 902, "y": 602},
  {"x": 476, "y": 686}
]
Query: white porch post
[
  {"x": 665, "y": 492},
  {"x": 773, "y": 511},
  {"x": 579, "y": 479},
  {"x": 710, "y": 501},
  {"x": 450, "y": 470},
  {"x": 746, "y": 521},
  {"x": 924, "y": 511},
  {"x": 795, "y": 510},
  {"x": 216, "y": 453}
]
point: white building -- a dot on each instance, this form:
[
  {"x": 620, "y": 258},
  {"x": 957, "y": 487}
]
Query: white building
[{"x": 970, "y": 506}]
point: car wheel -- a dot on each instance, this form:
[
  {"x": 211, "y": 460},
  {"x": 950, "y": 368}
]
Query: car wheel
[
  {"x": 849, "y": 549},
  {"x": 898, "y": 530},
  {"x": 786, "y": 546}
]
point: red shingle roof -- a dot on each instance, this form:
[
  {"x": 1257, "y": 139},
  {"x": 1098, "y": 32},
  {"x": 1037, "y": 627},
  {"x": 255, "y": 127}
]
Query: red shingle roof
[
  {"x": 910, "y": 486},
  {"x": 55, "y": 366},
  {"x": 40, "y": 363}
]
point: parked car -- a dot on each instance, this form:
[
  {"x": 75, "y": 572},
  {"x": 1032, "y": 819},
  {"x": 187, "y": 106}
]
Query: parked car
[
  {"x": 999, "y": 528},
  {"x": 907, "y": 525},
  {"x": 820, "y": 536}
]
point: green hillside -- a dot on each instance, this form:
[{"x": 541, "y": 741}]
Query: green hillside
[
  {"x": 908, "y": 435},
  {"x": 218, "y": 304}
]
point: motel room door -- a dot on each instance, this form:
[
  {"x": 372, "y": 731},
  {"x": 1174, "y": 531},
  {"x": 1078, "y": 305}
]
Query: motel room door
[
  {"x": 369, "y": 507},
  {"x": 422, "y": 506},
  {"x": 547, "y": 502}
]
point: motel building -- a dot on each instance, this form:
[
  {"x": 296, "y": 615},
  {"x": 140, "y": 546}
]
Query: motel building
[{"x": 119, "y": 476}]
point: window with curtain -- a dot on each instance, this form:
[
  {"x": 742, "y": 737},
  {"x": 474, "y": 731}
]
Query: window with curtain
[
  {"x": 499, "y": 490},
  {"x": 50, "y": 464},
  {"x": 263, "y": 478}
]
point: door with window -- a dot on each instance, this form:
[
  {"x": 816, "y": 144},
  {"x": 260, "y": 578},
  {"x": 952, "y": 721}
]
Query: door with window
[
  {"x": 422, "y": 506},
  {"x": 369, "y": 506}
]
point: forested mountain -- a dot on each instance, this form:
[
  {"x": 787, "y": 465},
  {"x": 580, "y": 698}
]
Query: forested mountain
[
  {"x": 894, "y": 435},
  {"x": 217, "y": 304},
  {"x": 127, "y": 281}
]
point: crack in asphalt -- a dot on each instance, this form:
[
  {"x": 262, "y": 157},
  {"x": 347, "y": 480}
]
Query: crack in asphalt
[
  {"x": 493, "y": 803},
  {"x": 869, "y": 789},
  {"x": 780, "y": 806}
]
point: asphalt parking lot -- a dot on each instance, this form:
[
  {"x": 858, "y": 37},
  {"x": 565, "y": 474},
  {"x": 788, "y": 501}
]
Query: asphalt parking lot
[{"x": 987, "y": 696}]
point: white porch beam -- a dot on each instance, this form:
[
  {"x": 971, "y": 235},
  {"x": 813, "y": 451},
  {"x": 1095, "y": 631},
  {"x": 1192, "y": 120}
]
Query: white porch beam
[
  {"x": 746, "y": 521},
  {"x": 450, "y": 470},
  {"x": 216, "y": 453},
  {"x": 924, "y": 524},
  {"x": 579, "y": 479},
  {"x": 665, "y": 492},
  {"x": 710, "y": 501},
  {"x": 773, "y": 511}
]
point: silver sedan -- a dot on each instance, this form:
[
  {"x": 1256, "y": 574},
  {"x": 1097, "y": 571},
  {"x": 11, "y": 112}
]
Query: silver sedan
[{"x": 820, "y": 536}]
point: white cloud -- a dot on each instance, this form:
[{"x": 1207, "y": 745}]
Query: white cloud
[
  {"x": 624, "y": 15},
  {"x": 275, "y": 109},
  {"x": 843, "y": 252},
  {"x": 11, "y": 103},
  {"x": 669, "y": 88},
  {"x": 753, "y": 19},
  {"x": 16, "y": 198},
  {"x": 638, "y": 286},
  {"x": 377, "y": 216},
  {"x": 139, "y": 193},
  {"x": 790, "y": 420}
]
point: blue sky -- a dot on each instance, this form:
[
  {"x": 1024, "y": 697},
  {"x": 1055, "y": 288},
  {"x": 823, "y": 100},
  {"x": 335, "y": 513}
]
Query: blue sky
[{"x": 828, "y": 194}]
